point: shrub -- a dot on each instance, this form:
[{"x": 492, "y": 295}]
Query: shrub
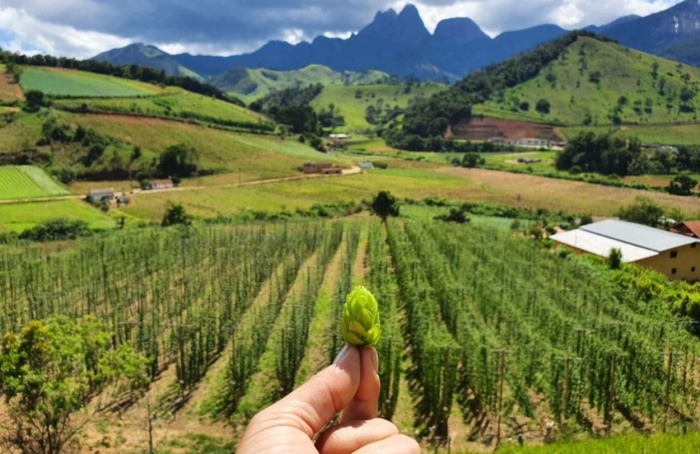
[{"x": 56, "y": 230}]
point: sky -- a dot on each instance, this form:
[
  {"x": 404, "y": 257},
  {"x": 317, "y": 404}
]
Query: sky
[{"x": 84, "y": 28}]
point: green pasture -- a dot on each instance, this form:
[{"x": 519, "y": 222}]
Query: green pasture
[
  {"x": 352, "y": 101},
  {"x": 669, "y": 134},
  {"x": 64, "y": 82},
  {"x": 176, "y": 102},
  {"x": 595, "y": 80},
  {"x": 22, "y": 216},
  {"x": 17, "y": 182},
  {"x": 256, "y": 157}
]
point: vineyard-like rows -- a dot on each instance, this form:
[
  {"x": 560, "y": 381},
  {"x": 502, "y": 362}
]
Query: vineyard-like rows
[
  {"x": 482, "y": 330},
  {"x": 27, "y": 182}
]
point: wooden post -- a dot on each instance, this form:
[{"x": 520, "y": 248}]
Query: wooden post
[{"x": 501, "y": 376}]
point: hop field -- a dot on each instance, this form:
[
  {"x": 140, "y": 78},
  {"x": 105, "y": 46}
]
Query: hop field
[
  {"x": 19, "y": 182},
  {"x": 485, "y": 335},
  {"x": 63, "y": 82}
]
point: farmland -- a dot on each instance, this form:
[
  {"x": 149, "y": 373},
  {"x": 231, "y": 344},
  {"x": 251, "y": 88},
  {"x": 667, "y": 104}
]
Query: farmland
[
  {"x": 174, "y": 102},
  {"x": 22, "y": 216},
  {"x": 353, "y": 101},
  {"x": 472, "y": 313},
  {"x": 17, "y": 182},
  {"x": 9, "y": 90},
  {"x": 63, "y": 82}
]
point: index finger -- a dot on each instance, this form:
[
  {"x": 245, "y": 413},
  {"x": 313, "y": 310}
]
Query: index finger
[{"x": 365, "y": 404}]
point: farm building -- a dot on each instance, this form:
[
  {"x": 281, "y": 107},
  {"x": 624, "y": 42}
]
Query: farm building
[
  {"x": 325, "y": 168},
  {"x": 688, "y": 228},
  {"x": 676, "y": 256},
  {"x": 99, "y": 195},
  {"x": 339, "y": 136},
  {"x": 163, "y": 184}
]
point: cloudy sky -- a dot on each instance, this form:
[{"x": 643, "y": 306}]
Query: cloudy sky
[{"x": 83, "y": 28}]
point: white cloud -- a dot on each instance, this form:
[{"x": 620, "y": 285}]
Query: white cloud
[
  {"x": 496, "y": 16},
  {"x": 31, "y": 36}
]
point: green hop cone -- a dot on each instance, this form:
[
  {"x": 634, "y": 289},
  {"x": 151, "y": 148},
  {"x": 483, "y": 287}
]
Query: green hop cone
[{"x": 360, "y": 324}]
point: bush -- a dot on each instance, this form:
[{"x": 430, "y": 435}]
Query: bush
[
  {"x": 176, "y": 215},
  {"x": 56, "y": 230},
  {"x": 615, "y": 259}
]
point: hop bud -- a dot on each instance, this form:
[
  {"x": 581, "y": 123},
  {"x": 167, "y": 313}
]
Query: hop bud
[{"x": 360, "y": 323}]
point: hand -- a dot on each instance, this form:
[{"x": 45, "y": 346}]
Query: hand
[{"x": 350, "y": 386}]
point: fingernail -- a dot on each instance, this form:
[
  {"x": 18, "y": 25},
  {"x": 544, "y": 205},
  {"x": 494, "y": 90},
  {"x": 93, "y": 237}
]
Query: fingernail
[
  {"x": 342, "y": 354},
  {"x": 375, "y": 360}
]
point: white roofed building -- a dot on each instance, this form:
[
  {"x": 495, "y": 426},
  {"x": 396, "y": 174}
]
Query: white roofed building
[{"x": 676, "y": 256}]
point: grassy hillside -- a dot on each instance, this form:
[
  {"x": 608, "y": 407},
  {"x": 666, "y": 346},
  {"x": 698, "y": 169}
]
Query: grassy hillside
[
  {"x": 18, "y": 182},
  {"x": 602, "y": 83},
  {"x": 21, "y": 216},
  {"x": 66, "y": 82},
  {"x": 252, "y": 84},
  {"x": 173, "y": 102},
  {"x": 353, "y": 101},
  {"x": 256, "y": 156}
]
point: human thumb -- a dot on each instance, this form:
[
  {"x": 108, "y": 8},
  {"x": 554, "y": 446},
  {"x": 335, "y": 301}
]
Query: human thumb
[{"x": 314, "y": 404}]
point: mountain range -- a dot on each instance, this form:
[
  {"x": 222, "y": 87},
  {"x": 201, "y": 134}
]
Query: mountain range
[{"x": 400, "y": 44}]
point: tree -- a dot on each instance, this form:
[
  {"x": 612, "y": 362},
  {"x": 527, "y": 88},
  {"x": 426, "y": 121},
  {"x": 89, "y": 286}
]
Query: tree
[
  {"x": 35, "y": 100},
  {"x": 682, "y": 184},
  {"x": 50, "y": 371},
  {"x": 472, "y": 160},
  {"x": 543, "y": 106},
  {"x": 615, "y": 258},
  {"x": 384, "y": 205},
  {"x": 176, "y": 215},
  {"x": 179, "y": 160},
  {"x": 643, "y": 211}
]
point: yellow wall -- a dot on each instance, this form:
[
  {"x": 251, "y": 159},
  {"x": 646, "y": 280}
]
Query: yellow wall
[{"x": 688, "y": 257}]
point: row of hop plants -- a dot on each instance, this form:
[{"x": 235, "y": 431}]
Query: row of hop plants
[
  {"x": 391, "y": 346},
  {"x": 570, "y": 336},
  {"x": 432, "y": 347},
  {"x": 250, "y": 338},
  {"x": 299, "y": 313}
]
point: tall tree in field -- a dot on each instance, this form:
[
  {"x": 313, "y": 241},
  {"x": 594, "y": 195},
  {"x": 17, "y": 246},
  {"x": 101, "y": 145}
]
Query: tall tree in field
[
  {"x": 49, "y": 372},
  {"x": 384, "y": 205}
]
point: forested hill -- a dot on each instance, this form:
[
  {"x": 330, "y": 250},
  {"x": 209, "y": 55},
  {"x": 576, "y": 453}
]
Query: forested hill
[{"x": 579, "y": 79}]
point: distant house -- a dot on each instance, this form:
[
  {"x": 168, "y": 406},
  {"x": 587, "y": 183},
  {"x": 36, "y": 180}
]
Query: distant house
[
  {"x": 529, "y": 160},
  {"x": 316, "y": 167},
  {"x": 688, "y": 228},
  {"x": 531, "y": 143},
  {"x": 339, "y": 136},
  {"x": 366, "y": 166},
  {"x": 676, "y": 256},
  {"x": 163, "y": 184},
  {"x": 99, "y": 195}
]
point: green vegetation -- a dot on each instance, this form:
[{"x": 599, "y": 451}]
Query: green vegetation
[
  {"x": 53, "y": 369},
  {"x": 252, "y": 84},
  {"x": 174, "y": 103},
  {"x": 62, "y": 83},
  {"x": 22, "y": 216},
  {"x": 627, "y": 444},
  {"x": 601, "y": 83},
  {"x": 672, "y": 134},
  {"x": 353, "y": 102},
  {"x": 18, "y": 182},
  {"x": 467, "y": 292}
]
